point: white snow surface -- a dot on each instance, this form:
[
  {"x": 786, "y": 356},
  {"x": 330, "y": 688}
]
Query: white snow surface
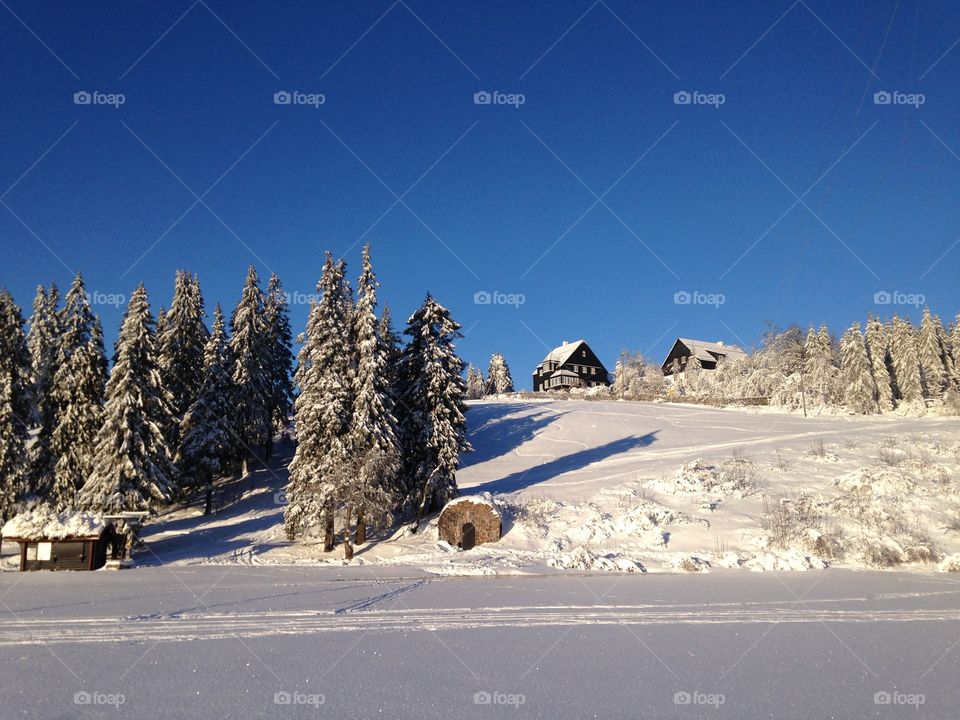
[
  {"x": 43, "y": 524},
  {"x": 626, "y": 486},
  {"x": 250, "y": 643}
]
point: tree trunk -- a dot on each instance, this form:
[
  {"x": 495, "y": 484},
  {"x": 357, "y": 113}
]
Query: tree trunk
[
  {"x": 361, "y": 529},
  {"x": 347, "y": 544},
  {"x": 328, "y": 538},
  {"x": 425, "y": 497},
  {"x": 208, "y": 501}
]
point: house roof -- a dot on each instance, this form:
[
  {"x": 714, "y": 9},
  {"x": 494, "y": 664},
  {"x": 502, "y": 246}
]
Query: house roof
[
  {"x": 561, "y": 354},
  {"x": 44, "y": 524},
  {"x": 705, "y": 350}
]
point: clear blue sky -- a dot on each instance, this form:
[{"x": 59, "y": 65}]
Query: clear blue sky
[{"x": 503, "y": 198}]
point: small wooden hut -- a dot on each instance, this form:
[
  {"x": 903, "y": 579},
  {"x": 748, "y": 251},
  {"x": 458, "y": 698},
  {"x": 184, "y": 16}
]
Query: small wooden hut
[
  {"x": 469, "y": 521},
  {"x": 64, "y": 541}
]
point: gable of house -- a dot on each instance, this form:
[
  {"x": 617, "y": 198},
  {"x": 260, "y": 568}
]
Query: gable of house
[{"x": 708, "y": 353}]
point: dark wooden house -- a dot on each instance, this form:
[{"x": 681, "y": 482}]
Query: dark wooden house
[
  {"x": 68, "y": 541},
  {"x": 708, "y": 353},
  {"x": 572, "y": 365}
]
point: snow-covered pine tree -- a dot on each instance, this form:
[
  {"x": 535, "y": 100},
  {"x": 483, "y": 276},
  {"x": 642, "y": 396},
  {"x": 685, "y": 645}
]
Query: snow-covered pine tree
[
  {"x": 693, "y": 380},
  {"x": 79, "y": 384},
  {"x": 476, "y": 385},
  {"x": 250, "y": 348},
  {"x": 498, "y": 376},
  {"x": 819, "y": 367},
  {"x": 943, "y": 337},
  {"x": 391, "y": 341},
  {"x": 933, "y": 370},
  {"x": 877, "y": 347},
  {"x": 320, "y": 473},
  {"x": 906, "y": 363},
  {"x": 15, "y": 405},
  {"x": 856, "y": 375},
  {"x": 955, "y": 349},
  {"x": 180, "y": 346},
  {"x": 434, "y": 434},
  {"x": 372, "y": 439},
  {"x": 207, "y": 440},
  {"x": 277, "y": 318},
  {"x": 132, "y": 468},
  {"x": 43, "y": 340},
  {"x": 75, "y": 322}
]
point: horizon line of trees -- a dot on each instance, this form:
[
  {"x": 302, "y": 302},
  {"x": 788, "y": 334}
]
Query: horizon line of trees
[
  {"x": 379, "y": 427},
  {"x": 874, "y": 368}
]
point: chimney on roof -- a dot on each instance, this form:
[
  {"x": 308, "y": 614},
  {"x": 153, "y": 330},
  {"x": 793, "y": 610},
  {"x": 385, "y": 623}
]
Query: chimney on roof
[
  {"x": 720, "y": 343},
  {"x": 565, "y": 342}
]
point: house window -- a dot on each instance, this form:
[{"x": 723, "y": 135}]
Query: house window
[
  {"x": 583, "y": 353},
  {"x": 593, "y": 371}
]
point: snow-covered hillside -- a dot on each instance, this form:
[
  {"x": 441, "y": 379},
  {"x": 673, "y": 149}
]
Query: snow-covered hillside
[{"x": 631, "y": 486}]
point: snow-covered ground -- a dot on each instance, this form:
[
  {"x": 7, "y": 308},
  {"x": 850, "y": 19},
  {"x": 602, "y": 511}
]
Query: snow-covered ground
[
  {"x": 626, "y": 486},
  {"x": 225, "y": 618},
  {"x": 206, "y": 642}
]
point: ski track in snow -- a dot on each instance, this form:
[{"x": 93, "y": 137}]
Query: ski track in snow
[{"x": 215, "y": 626}]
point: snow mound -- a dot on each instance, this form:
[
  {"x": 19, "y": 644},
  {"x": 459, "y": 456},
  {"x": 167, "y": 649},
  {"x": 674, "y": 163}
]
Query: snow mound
[
  {"x": 735, "y": 477},
  {"x": 951, "y": 563},
  {"x": 692, "y": 564},
  {"x": 44, "y": 524},
  {"x": 582, "y": 559},
  {"x": 787, "y": 560},
  {"x": 878, "y": 482}
]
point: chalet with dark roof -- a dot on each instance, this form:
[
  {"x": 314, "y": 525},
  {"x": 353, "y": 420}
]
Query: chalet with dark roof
[
  {"x": 708, "y": 353},
  {"x": 572, "y": 365}
]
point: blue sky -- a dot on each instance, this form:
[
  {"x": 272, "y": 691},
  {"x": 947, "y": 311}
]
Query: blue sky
[{"x": 595, "y": 201}]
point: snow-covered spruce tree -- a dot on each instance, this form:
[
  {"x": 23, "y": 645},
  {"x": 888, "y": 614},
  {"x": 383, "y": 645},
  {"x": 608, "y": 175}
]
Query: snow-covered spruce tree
[
  {"x": 932, "y": 353},
  {"x": 856, "y": 376},
  {"x": 819, "y": 368},
  {"x": 693, "y": 379},
  {"x": 15, "y": 405},
  {"x": 132, "y": 469},
  {"x": 877, "y": 351},
  {"x": 498, "y": 376},
  {"x": 433, "y": 435},
  {"x": 391, "y": 341},
  {"x": 250, "y": 348},
  {"x": 372, "y": 438},
  {"x": 906, "y": 363},
  {"x": 476, "y": 385},
  {"x": 43, "y": 340},
  {"x": 79, "y": 383},
  {"x": 954, "y": 343},
  {"x": 75, "y": 324},
  {"x": 180, "y": 346},
  {"x": 207, "y": 441},
  {"x": 943, "y": 337},
  {"x": 277, "y": 318},
  {"x": 320, "y": 473}
]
